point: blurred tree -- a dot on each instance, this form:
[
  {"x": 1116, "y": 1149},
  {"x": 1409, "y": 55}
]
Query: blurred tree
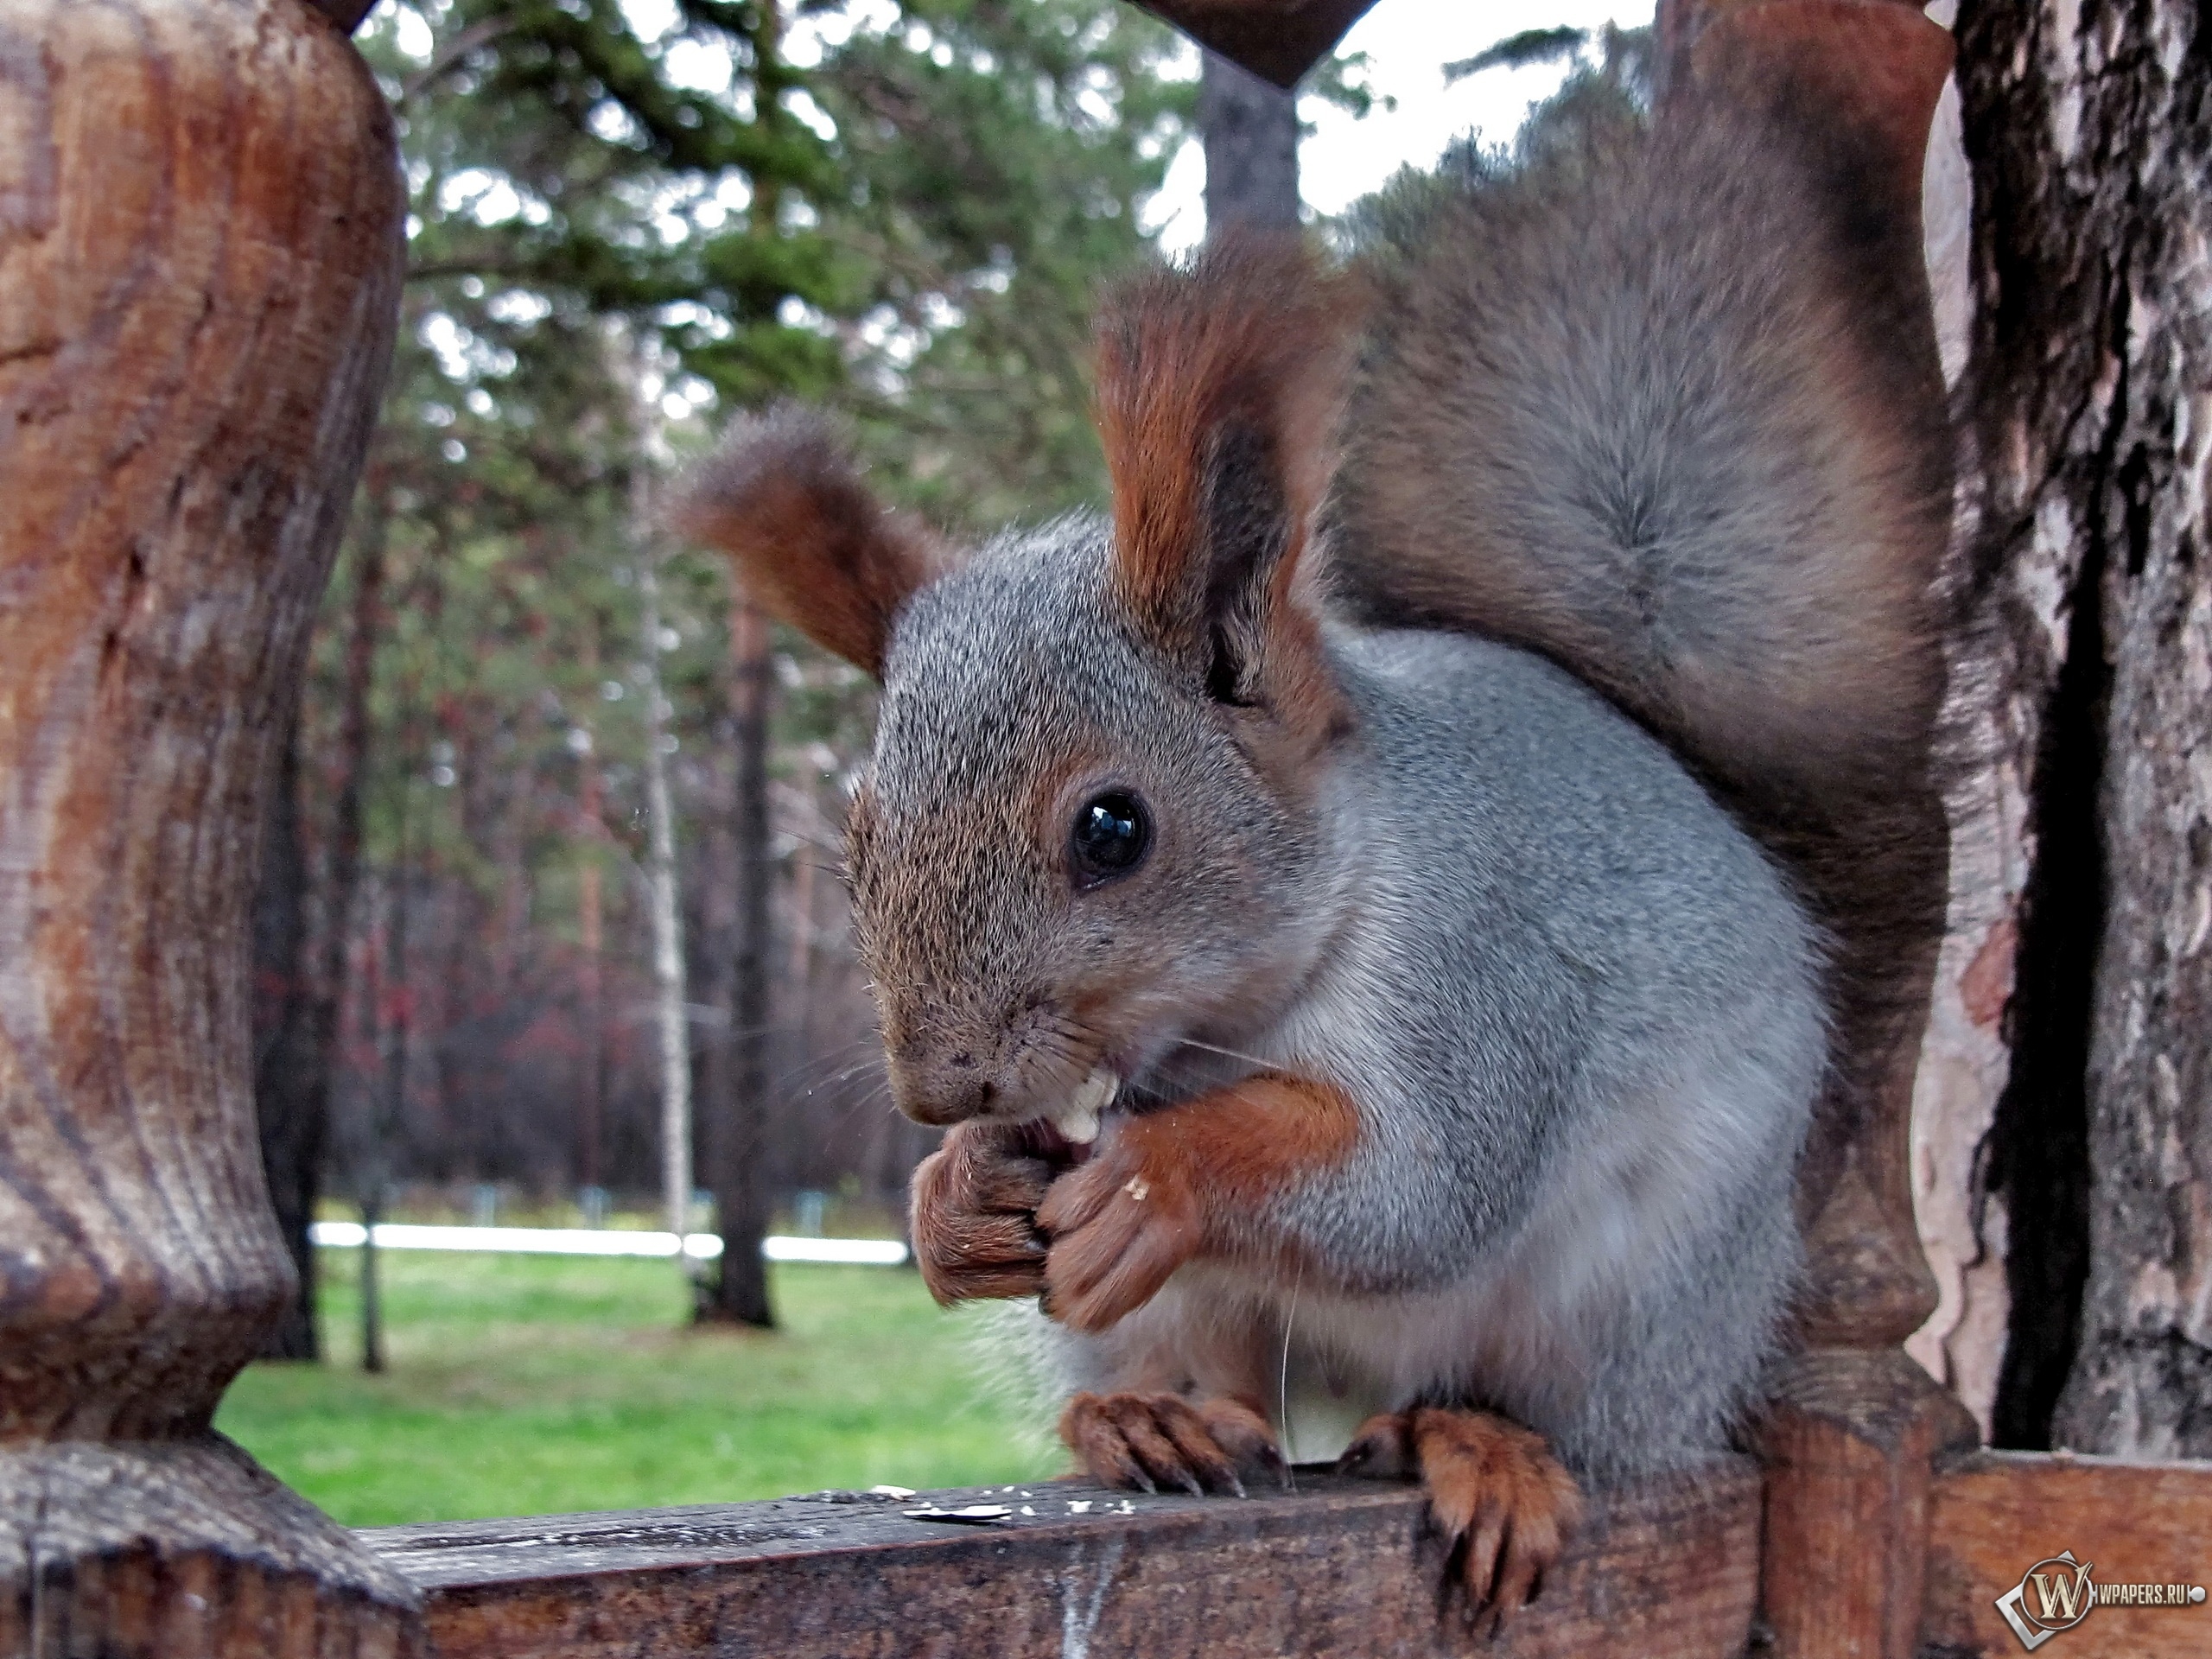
[
  {"x": 564, "y": 172},
  {"x": 1250, "y": 129},
  {"x": 908, "y": 218},
  {"x": 998, "y": 156}
]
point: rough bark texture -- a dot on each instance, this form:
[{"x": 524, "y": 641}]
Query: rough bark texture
[
  {"x": 1964, "y": 1057},
  {"x": 199, "y": 269},
  {"x": 2063, "y": 1156},
  {"x": 739, "y": 1285},
  {"x": 1250, "y": 129},
  {"x": 2141, "y": 1380}
]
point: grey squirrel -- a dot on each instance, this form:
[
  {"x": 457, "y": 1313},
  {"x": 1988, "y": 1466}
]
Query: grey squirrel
[{"x": 1371, "y": 912}]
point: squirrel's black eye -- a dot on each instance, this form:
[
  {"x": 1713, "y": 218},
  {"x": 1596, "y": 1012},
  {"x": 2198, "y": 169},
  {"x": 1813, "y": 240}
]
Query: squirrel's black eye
[{"x": 1111, "y": 834}]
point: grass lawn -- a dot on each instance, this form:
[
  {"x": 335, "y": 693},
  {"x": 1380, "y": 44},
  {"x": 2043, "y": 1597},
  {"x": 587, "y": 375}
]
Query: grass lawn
[{"x": 531, "y": 1384}]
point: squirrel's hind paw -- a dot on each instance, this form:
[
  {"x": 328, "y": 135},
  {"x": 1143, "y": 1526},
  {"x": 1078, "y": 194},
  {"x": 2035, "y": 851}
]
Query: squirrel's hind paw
[
  {"x": 1148, "y": 1441},
  {"x": 1501, "y": 1500}
]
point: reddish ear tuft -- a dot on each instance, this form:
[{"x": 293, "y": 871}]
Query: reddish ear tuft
[
  {"x": 811, "y": 543},
  {"x": 1219, "y": 390}
]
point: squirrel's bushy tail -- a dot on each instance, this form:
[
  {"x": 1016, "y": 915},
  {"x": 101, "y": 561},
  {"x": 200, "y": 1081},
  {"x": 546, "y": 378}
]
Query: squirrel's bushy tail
[{"x": 1664, "y": 406}]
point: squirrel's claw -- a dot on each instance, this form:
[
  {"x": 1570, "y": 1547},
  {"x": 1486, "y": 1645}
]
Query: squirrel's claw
[
  {"x": 1147, "y": 1441},
  {"x": 1382, "y": 1449},
  {"x": 1498, "y": 1496}
]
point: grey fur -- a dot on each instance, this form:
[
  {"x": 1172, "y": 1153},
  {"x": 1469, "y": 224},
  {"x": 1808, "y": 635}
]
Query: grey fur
[{"x": 1577, "y": 1006}]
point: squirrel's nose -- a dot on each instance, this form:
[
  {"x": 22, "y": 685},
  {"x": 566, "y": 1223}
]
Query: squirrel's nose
[{"x": 946, "y": 1092}]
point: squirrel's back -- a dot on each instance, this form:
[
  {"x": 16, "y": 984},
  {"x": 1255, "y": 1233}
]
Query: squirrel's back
[{"x": 1655, "y": 407}]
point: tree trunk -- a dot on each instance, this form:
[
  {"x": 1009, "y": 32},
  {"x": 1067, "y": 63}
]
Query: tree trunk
[
  {"x": 199, "y": 261},
  {"x": 591, "y": 929},
  {"x": 2122, "y": 135},
  {"x": 2065, "y": 1154},
  {"x": 738, "y": 1135},
  {"x": 1250, "y": 129},
  {"x": 287, "y": 1098},
  {"x": 668, "y": 933},
  {"x": 739, "y": 1131}
]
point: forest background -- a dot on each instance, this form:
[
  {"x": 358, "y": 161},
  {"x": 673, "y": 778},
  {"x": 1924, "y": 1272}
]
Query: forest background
[{"x": 630, "y": 219}]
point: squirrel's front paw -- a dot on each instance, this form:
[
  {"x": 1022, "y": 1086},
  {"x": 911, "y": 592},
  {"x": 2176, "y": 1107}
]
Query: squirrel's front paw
[
  {"x": 1118, "y": 1232},
  {"x": 973, "y": 1201},
  {"x": 1150, "y": 1440},
  {"x": 1505, "y": 1505}
]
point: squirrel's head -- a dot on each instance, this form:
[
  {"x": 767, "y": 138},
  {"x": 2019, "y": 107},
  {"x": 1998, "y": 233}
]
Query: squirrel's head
[{"x": 1092, "y": 831}]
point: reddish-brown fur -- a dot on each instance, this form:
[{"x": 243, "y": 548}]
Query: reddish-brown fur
[
  {"x": 1238, "y": 363},
  {"x": 1502, "y": 1501},
  {"x": 811, "y": 543},
  {"x": 975, "y": 1203},
  {"x": 1169, "y": 1187}
]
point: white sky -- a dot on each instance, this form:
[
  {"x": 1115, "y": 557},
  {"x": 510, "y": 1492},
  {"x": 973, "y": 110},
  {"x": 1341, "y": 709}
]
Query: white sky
[{"x": 1407, "y": 43}]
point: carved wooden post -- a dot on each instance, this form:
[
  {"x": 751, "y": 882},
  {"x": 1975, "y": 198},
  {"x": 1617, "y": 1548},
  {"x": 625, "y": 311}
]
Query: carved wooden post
[
  {"x": 1855, "y": 1425},
  {"x": 198, "y": 274}
]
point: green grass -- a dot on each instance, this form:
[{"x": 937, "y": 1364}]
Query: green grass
[{"x": 531, "y": 1385}]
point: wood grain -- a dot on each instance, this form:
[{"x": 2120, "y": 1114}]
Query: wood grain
[
  {"x": 1849, "y": 1444},
  {"x": 1666, "y": 1571},
  {"x": 199, "y": 265},
  {"x": 1995, "y": 1514}
]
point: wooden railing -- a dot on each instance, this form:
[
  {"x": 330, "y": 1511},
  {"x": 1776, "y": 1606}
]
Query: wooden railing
[
  {"x": 199, "y": 255},
  {"x": 1341, "y": 1566}
]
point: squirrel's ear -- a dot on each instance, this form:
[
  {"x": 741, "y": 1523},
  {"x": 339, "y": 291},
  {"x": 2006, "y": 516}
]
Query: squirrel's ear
[
  {"x": 811, "y": 543},
  {"x": 1217, "y": 398}
]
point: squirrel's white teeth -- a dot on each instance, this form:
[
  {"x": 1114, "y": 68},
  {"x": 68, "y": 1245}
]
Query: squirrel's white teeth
[{"x": 1077, "y": 1120}]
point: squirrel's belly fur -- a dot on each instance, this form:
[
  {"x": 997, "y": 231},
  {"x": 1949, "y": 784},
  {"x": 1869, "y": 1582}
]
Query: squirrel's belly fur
[{"x": 1584, "y": 1041}]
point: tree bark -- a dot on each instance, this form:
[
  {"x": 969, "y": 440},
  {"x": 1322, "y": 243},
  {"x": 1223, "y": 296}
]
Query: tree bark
[
  {"x": 2138, "y": 174},
  {"x": 199, "y": 260},
  {"x": 1250, "y": 129},
  {"x": 591, "y": 929},
  {"x": 737, "y": 1137},
  {"x": 738, "y": 1133},
  {"x": 2064, "y": 1152},
  {"x": 673, "y": 1029}
]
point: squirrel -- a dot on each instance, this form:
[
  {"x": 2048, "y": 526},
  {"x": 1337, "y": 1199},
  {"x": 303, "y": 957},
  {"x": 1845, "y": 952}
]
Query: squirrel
[{"x": 1372, "y": 909}]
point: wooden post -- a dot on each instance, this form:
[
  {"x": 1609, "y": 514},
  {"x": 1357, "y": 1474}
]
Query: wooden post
[
  {"x": 200, "y": 259},
  {"x": 1855, "y": 1425}
]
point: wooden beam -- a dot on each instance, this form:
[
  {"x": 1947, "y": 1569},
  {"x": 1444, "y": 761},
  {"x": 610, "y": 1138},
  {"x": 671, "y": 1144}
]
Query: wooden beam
[
  {"x": 199, "y": 266},
  {"x": 1667, "y": 1571},
  {"x": 1276, "y": 40},
  {"x": 1996, "y": 1514}
]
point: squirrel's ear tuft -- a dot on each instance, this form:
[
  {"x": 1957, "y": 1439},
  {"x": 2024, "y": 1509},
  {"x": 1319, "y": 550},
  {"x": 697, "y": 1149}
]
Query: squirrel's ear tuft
[
  {"x": 1217, "y": 396},
  {"x": 812, "y": 545}
]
